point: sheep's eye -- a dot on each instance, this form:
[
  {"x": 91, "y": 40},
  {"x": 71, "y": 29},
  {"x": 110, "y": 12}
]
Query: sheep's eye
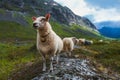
[{"x": 42, "y": 20}]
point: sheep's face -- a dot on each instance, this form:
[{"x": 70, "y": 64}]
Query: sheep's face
[
  {"x": 74, "y": 39},
  {"x": 81, "y": 41},
  {"x": 40, "y": 21}
]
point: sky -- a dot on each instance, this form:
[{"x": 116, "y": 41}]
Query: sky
[{"x": 96, "y": 10}]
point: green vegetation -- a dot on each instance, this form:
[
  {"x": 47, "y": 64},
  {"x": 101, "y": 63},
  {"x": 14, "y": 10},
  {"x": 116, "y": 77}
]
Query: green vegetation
[
  {"x": 109, "y": 54},
  {"x": 74, "y": 30},
  {"x": 20, "y": 59},
  {"x": 2, "y": 11},
  {"x": 15, "y": 31},
  {"x": 10, "y": 7},
  {"x": 106, "y": 53},
  {"x": 85, "y": 32},
  {"x": 29, "y": 9},
  {"x": 61, "y": 30},
  {"x": 20, "y": 56},
  {"x": 14, "y": 56}
]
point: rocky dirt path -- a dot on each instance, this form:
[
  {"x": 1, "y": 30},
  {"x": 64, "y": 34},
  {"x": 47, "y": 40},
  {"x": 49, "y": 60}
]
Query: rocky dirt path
[{"x": 74, "y": 69}]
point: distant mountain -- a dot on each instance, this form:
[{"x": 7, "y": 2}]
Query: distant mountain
[
  {"x": 108, "y": 24},
  {"x": 113, "y": 32},
  {"x": 109, "y": 28}
]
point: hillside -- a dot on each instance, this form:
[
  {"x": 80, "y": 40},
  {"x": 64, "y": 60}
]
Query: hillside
[
  {"x": 41, "y": 7},
  {"x": 19, "y": 13},
  {"x": 21, "y": 61}
]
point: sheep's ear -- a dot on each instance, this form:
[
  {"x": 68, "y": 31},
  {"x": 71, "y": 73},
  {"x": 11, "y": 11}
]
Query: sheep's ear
[
  {"x": 47, "y": 16},
  {"x": 34, "y": 18}
]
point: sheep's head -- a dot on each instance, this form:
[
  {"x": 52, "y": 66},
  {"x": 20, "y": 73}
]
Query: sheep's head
[
  {"x": 39, "y": 22},
  {"x": 81, "y": 41},
  {"x": 75, "y": 41}
]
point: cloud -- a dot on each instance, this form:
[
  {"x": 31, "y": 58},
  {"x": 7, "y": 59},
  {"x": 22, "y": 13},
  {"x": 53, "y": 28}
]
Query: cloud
[
  {"x": 106, "y": 15},
  {"x": 79, "y": 7},
  {"x": 99, "y": 14}
]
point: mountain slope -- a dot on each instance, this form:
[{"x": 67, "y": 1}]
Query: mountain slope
[
  {"x": 14, "y": 31},
  {"x": 20, "y": 12}
]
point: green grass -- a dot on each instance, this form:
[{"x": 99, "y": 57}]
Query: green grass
[
  {"x": 2, "y": 11},
  {"x": 109, "y": 54},
  {"x": 84, "y": 32},
  {"x": 61, "y": 30},
  {"x": 15, "y": 31},
  {"x": 105, "y": 53},
  {"x": 13, "y": 56},
  {"x": 74, "y": 30}
]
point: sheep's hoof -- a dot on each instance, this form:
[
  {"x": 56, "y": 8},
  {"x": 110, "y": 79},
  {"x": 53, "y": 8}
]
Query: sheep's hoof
[
  {"x": 44, "y": 70},
  {"x": 51, "y": 71}
]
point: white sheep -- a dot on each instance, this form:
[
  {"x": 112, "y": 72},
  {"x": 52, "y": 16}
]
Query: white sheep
[
  {"x": 48, "y": 42},
  {"x": 68, "y": 44},
  {"x": 81, "y": 41},
  {"x": 100, "y": 41},
  {"x": 88, "y": 42}
]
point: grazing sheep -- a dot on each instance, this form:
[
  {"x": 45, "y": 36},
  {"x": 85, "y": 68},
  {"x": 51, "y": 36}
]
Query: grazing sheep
[
  {"x": 85, "y": 42},
  {"x": 88, "y": 42},
  {"x": 81, "y": 41},
  {"x": 91, "y": 41},
  {"x": 48, "y": 42},
  {"x": 100, "y": 41},
  {"x": 68, "y": 44}
]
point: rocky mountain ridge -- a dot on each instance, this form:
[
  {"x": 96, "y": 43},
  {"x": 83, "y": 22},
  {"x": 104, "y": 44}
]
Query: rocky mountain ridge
[{"x": 41, "y": 7}]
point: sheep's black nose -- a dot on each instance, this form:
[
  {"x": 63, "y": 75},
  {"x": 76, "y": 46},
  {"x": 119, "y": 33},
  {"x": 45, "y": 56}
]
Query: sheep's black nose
[{"x": 35, "y": 25}]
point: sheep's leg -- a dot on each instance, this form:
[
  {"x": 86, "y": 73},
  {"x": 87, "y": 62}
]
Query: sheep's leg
[
  {"x": 44, "y": 62},
  {"x": 57, "y": 58},
  {"x": 51, "y": 64},
  {"x": 69, "y": 54}
]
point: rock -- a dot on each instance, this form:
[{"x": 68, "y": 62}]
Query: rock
[{"x": 73, "y": 69}]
